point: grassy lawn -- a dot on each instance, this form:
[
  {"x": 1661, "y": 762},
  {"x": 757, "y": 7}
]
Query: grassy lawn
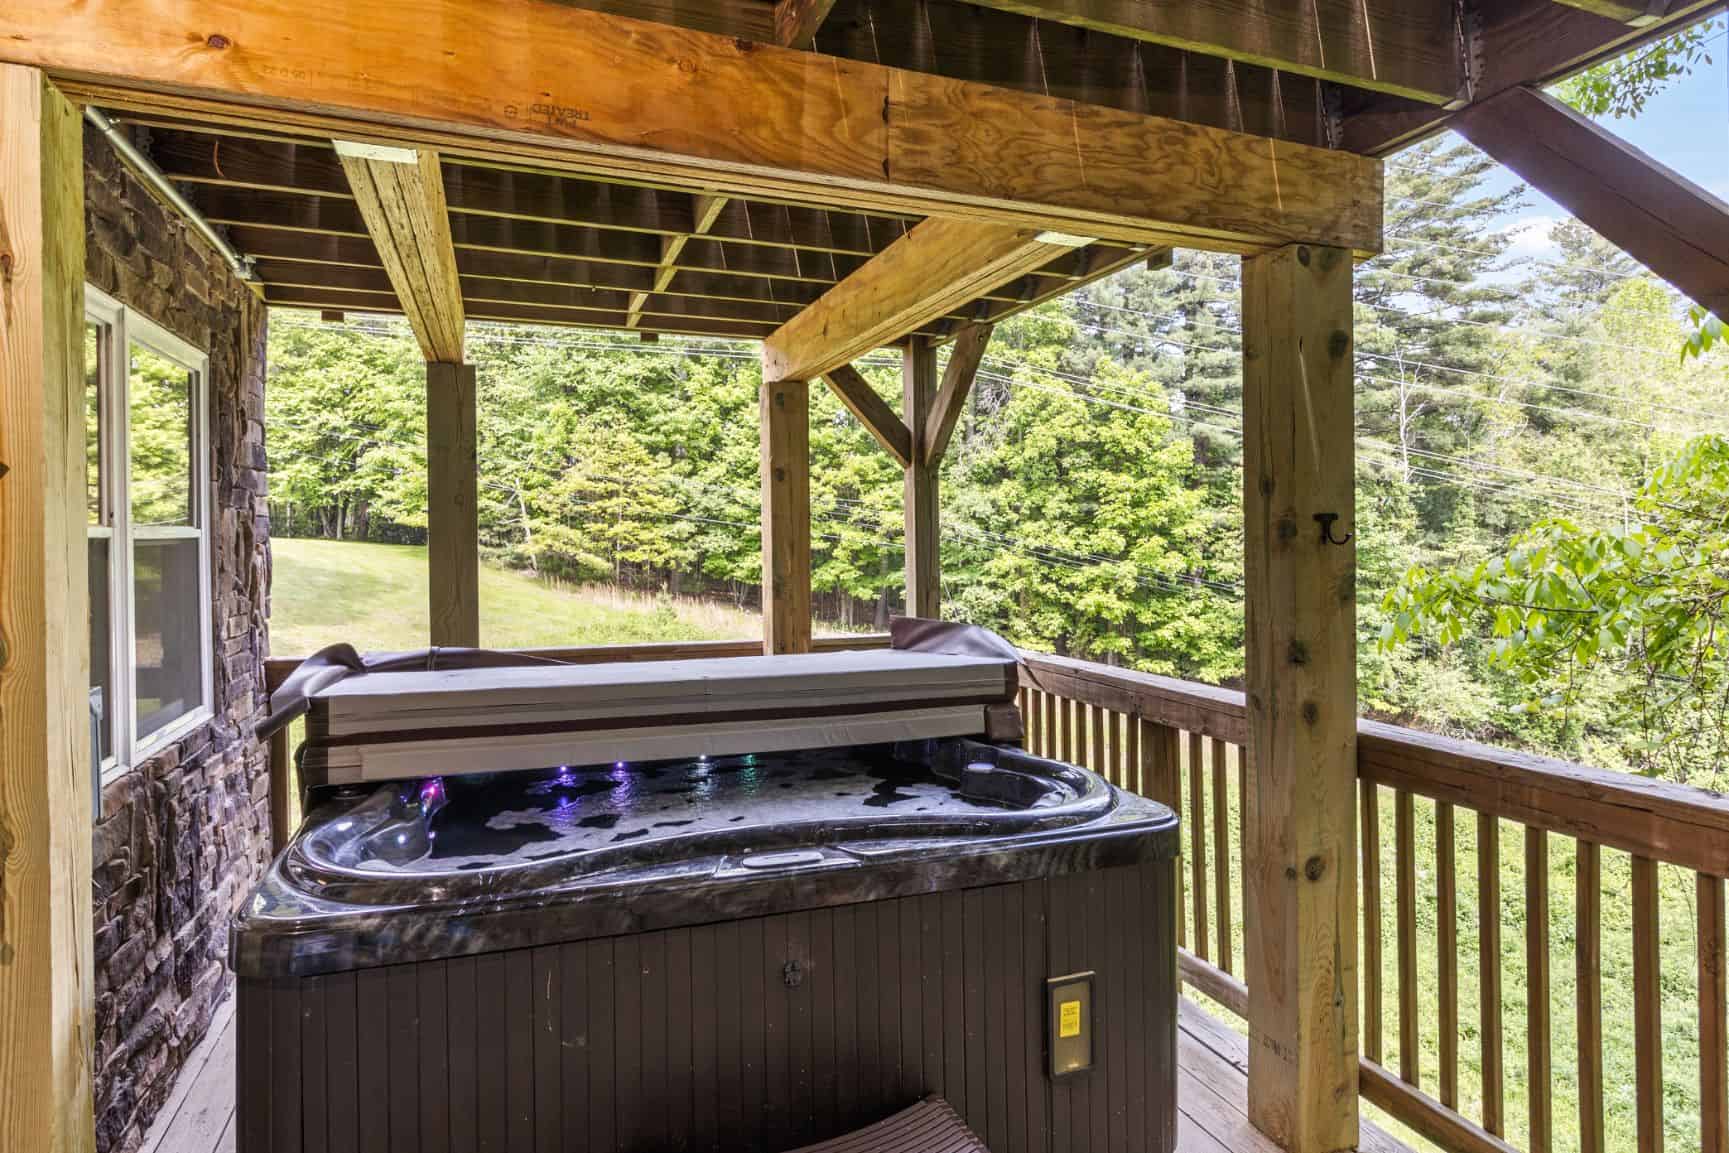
[{"x": 374, "y": 597}]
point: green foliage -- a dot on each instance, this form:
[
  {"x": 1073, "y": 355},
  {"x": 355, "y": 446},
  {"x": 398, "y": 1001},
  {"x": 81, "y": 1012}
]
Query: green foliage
[
  {"x": 1707, "y": 331},
  {"x": 1621, "y": 87},
  {"x": 1644, "y": 602}
]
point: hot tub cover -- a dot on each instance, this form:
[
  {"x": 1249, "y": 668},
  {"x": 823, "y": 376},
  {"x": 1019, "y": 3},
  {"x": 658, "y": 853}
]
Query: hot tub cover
[{"x": 373, "y": 720}]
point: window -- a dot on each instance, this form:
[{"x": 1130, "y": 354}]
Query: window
[{"x": 147, "y": 507}]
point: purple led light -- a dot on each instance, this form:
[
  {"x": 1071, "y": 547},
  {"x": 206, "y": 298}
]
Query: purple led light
[{"x": 432, "y": 791}]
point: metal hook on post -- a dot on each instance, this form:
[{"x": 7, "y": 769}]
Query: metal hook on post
[{"x": 1326, "y": 519}]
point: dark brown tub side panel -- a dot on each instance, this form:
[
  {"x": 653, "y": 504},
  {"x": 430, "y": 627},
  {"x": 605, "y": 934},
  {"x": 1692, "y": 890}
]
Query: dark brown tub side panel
[{"x": 711, "y": 1038}]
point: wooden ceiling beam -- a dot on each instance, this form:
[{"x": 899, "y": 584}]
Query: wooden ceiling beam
[
  {"x": 940, "y": 265},
  {"x": 1634, "y": 15},
  {"x": 1410, "y": 48},
  {"x": 1658, "y": 217},
  {"x": 1520, "y": 43},
  {"x": 872, "y": 411},
  {"x": 402, "y": 202},
  {"x": 541, "y": 83},
  {"x": 965, "y": 356}
]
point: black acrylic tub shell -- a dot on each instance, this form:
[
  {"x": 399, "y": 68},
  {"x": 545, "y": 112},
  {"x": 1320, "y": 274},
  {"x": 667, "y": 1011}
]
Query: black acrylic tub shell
[{"x": 409, "y": 872}]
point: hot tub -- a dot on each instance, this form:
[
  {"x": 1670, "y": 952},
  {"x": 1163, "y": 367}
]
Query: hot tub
[{"x": 740, "y": 952}]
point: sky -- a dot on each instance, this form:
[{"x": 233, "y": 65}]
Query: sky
[{"x": 1685, "y": 127}]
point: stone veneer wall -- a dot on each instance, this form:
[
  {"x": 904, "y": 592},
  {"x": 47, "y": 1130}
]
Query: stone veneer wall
[{"x": 183, "y": 836}]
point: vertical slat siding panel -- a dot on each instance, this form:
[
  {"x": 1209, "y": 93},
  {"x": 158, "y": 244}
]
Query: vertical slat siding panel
[
  {"x": 1035, "y": 913},
  {"x": 372, "y": 1058},
  {"x": 1539, "y": 1067},
  {"x": 888, "y": 980},
  {"x": 1713, "y": 1038},
  {"x": 546, "y": 994},
  {"x": 1405, "y": 900},
  {"x": 825, "y": 1076},
  {"x": 1121, "y": 994},
  {"x": 729, "y": 1036},
  {"x": 252, "y": 1071},
  {"x": 403, "y": 1045},
  {"x": 519, "y": 1050},
  {"x": 1588, "y": 991},
  {"x": 912, "y": 1043},
  {"x": 870, "y": 1056},
  {"x": 1061, "y": 922},
  {"x": 1198, "y": 840},
  {"x": 460, "y": 1005},
  {"x": 996, "y": 1001},
  {"x": 753, "y": 1039},
  {"x": 1447, "y": 950},
  {"x": 649, "y": 1023},
  {"x": 1098, "y": 929},
  {"x": 1015, "y": 1039},
  {"x": 931, "y": 989},
  {"x": 1647, "y": 1007},
  {"x": 680, "y": 1037},
  {"x": 491, "y": 1055},
  {"x": 314, "y": 1088},
  {"x": 285, "y": 1064},
  {"x": 1373, "y": 1010},
  {"x": 1159, "y": 1028},
  {"x": 433, "y": 999},
  {"x": 603, "y": 1028},
  {"x": 955, "y": 967},
  {"x": 1222, "y": 854},
  {"x": 340, "y": 1057},
  {"x": 1136, "y": 1022},
  {"x": 978, "y": 1093},
  {"x": 575, "y": 1044},
  {"x": 1489, "y": 971}
]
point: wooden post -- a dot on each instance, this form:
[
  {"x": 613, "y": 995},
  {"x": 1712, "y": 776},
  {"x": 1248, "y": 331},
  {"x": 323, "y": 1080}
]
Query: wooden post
[
  {"x": 46, "y": 963},
  {"x": 1301, "y": 879},
  {"x": 452, "y": 518},
  {"x": 923, "y": 563},
  {"x": 785, "y": 516}
]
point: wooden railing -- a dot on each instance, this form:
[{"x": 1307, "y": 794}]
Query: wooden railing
[
  {"x": 1179, "y": 742},
  {"x": 1182, "y": 743}
]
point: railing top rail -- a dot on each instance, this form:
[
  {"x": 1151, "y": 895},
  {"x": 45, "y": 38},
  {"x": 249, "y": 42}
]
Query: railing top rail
[{"x": 1674, "y": 823}]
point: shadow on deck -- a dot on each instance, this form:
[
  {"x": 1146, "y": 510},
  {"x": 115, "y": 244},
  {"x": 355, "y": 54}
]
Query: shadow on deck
[{"x": 1212, "y": 1091}]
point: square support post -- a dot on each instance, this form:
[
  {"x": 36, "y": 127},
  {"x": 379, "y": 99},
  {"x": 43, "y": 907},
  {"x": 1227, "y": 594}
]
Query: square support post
[
  {"x": 1301, "y": 877},
  {"x": 785, "y": 516},
  {"x": 46, "y": 963},
  {"x": 923, "y": 551},
  {"x": 452, "y": 512}
]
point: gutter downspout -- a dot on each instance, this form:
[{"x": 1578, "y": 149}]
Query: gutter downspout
[{"x": 153, "y": 176}]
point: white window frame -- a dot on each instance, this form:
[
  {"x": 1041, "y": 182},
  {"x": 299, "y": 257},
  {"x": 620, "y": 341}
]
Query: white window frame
[{"x": 123, "y": 327}]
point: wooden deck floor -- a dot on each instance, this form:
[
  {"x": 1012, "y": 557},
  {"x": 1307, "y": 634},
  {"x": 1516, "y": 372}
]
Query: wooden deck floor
[{"x": 1212, "y": 1090}]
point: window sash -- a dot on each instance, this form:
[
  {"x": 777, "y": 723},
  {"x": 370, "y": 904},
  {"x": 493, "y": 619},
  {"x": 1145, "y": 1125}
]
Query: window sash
[{"x": 122, "y": 328}]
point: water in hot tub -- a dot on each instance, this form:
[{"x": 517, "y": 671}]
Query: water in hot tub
[{"x": 491, "y": 821}]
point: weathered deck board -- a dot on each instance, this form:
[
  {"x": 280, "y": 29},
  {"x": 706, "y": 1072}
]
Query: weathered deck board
[{"x": 1211, "y": 1089}]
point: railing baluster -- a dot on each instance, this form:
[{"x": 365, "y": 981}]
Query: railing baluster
[
  {"x": 1097, "y": 758},
  {"x": 1164, "y": 784},
  {"x": 1370, "y": 794},
  {"x": 1222, "y": 853},
  {"x": 1713, "y": 1040},
  {"x": 1588, "y": 977},
  {"x": 1647, "y": 1008},
  {"x": 1405, "y": 897},
  {"x": 1539, "y": 1068},
  {"x": 1066, "y": 710},
  {"x": 1198, "y": 839},
  {"x": 1489, "y": 966},
  {"x": 1049, "y": 726},
  {"x": 1133, "y": 779},
  {"x": 1447, "y": 951}
]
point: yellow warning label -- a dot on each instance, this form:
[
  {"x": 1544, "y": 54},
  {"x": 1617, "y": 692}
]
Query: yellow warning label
[{"x": 1069, "y": 1019}]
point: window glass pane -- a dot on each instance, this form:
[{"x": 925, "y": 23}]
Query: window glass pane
[
  {"x": 166, "y": 625},
  {"x": 101, "y": 651},
  {"x": 93, "y": 423},
  {"x": 159, "y": 407}
]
